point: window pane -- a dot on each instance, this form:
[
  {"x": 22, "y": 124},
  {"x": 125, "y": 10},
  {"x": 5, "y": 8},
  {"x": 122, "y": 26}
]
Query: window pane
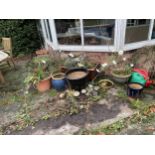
[
  {"x": 137, "y": 30},
  {"x": 49, "y": 30},
  {"x": 153, "y": 32},
  {"x": 99, "y": 31},
  {"x": 68, "y": 31},
  {"x": 46, "y": 32}
]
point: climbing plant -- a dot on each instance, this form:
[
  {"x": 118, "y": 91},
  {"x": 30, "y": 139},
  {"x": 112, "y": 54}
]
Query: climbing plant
[{"x": 24, "y": 34}]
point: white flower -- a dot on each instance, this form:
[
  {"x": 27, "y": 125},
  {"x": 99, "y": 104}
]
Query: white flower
[
  {"x": 71, "y": 55},
  {"x": 90, "y": 86},
  {"x": 76, "y": 93},
  {"x": 43, "y": 61},
  {"x": 104, "y": 65},
  {"x": 97, "y": 70},
  {"x": 80, "y": 65},
  {"x": 124, "y": 59},
  {"x": 26, "y": 92},
  {"x": 114, "y": 62},
  {"x": 131, "y": 65},
  {"x": 120, "y": 52}
]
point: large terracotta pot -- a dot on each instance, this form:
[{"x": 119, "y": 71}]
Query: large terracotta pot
[{"x": 44, "y": 85}]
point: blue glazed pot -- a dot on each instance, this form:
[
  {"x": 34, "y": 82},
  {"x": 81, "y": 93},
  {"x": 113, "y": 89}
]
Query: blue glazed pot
[
  {"x": 59, "y": 82},
  {"x": 134, "y": 92}
]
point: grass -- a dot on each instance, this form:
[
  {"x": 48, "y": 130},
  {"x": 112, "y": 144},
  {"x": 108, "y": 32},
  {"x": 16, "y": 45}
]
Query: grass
[{"x": 10, "y": 98}]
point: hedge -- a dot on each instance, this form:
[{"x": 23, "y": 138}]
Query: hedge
[{"x": 24, "y": 33}]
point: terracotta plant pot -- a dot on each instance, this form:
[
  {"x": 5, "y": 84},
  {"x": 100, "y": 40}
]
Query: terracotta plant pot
[
  {"x": 92, "y": 74},
  {"x": 44, "y": 85},
  {"x": 41, "y": 52}
]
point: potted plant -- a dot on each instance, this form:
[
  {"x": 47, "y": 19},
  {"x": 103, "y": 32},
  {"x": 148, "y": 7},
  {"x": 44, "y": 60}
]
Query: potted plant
[
  {"x": 39, "y": 76},
  {"x": 121, "y": 75},
  {"x": 121, "y": 70},
  {"x": 58, "y": 81},
  {"x": 80, "y": 61}
]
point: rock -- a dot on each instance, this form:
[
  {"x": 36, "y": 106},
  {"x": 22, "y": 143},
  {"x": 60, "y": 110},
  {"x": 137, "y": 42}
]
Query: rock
[
  {"x": 83, "y": 91},
  {"x": 96, "y": 88},
  {"x": 71, "y": 55},
  {"x": 112, "y": 92},
  {"x": 103, "y": 101},
  {"x": 76, "y": 93},
  {"x": 90, "y": 86},
  {"x": 81, "y": 106},
  {"x": 62, "y": 95}
]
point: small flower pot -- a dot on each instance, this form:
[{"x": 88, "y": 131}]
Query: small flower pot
[
  {"x": 105, "y": 84},
  {"x": 42, "y": 52},
  {"x": 92, "y": 74},
  {"x": 43, "y": 85},
  {"x": 59, "y": 81},
  {"x": 134, "y": 90},
  {"x": 120, "y": 78}
]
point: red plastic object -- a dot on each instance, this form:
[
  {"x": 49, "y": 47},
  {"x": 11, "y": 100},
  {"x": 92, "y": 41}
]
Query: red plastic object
[
  {"x": 145, "y": 74},
  {"x": 142, "y": 72},
  {"x": 148, "y": 83}
]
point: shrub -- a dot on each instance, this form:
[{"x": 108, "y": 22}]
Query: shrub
[{"x": 24, "y": 33}]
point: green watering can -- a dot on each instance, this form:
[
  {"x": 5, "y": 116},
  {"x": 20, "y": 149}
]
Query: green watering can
[{"x": 137, "y": 78}]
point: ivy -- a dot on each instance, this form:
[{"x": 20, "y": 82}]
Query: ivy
[{"x": 24, "y": 34}]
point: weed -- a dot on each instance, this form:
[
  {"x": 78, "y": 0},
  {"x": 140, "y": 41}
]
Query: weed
[
  {"x": 137, "y": 104},
  {"x": 45, "y": 117},
  {"x": 53, "y": 93}
]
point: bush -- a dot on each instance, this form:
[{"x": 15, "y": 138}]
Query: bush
[{"x": 24, "y": 34}]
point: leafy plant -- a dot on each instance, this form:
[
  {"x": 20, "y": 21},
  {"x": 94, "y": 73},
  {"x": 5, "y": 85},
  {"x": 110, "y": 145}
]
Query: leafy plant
[
  {"x": 39, "y": 70},
  {"x": 24, "y": 34},
  {"x": 137, "y": 104},
  {"x": 124, "y": 71}
]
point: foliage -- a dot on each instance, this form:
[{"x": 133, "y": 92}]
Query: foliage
[
  {"x": 53, "y": 93},
  {"x": 39, "y": 70},
  {"x": 120, "y": 64},
  {"x": 24, "y": 34},
  {"x": 145, "y": 58},
  {"x": 137, "y": 104},
  {"x": 125, "y": 71}
]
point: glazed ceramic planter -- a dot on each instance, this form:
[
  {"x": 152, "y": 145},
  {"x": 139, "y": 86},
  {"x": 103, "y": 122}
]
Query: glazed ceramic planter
[
  {"x": 120, "y": 78},
  {"x": 59, "y": 81},
  {"x": 79, "y": 81},
  {"x": 134, "y": 90}
]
